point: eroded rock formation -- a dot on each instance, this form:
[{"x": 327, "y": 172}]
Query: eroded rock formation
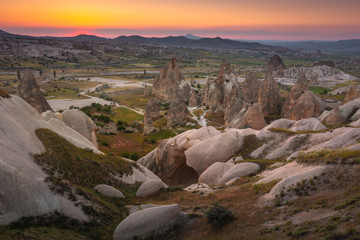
[
  {"x": 169, "y": 82},
  {"x": 249, "y": 117},
  {"x": 269, "y": 96},
  {"x": 29, "y": 90}
]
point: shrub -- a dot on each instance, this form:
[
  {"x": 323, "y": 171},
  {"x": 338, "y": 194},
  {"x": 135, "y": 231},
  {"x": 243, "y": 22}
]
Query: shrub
[
  {"x": 218, "y": 215},
  {"x": 4, "y": 94}
]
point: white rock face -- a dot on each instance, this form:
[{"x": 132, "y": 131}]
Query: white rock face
[
  {"x": 216, "y": 149},
  {"x": 150, "y": 187},
  {"x": 307, "y": 124},
  {"x": 320, "y": 71},
  {"x": 22, "y": 187},
  {"x": 356, "y": 116},
  {"x": 213, "y": 173},
  {"x": 109, "y": 191},
  {"x": 203, "y": 133},
  {"x": 356, "y": 123},
  {"x": 138, "y": 175},
  {"x": 289, "y": 175},
  {"x": 81, "y": 123},
  {"x": 145, "y": 222},
  {"x": 239, "y": 170}
]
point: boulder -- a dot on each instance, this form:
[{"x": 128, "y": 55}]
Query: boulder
[
  {"x": 139, "y": 174},
  {"x": 239, "y": 170},
  {"x": 335, "y": 117},
  {"x": 147, "y": 222},
  {"x": 109, "y": 191},
  {"x": 169, "y": 82},
  {"x": 307, "y": 124},
  {"x": 213, "y": 173},
  {"x": 81, "y": 123},
  {"x": 356, "y": 115},
  {"x": 216, "y": 149},
  {"x": 250, "y": 88},
  {"x": 352, "y": 94},
  {"x": 252, "y": 117},
  {"x": 150, "y": 187},
  {"x": 29, "y": 90}
]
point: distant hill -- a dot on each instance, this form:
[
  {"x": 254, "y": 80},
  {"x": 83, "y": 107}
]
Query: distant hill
[
  {"x": 182, "y": 41},
  {"x": 352, "y": 45},
  {"x": 190, "y": 36}
]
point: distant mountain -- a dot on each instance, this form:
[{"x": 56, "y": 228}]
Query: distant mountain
[
  {"x": 352, "y": 45},
  {"x": 190, "y": 36},
  {"x": 218, "y": 43},
  {"x": 180, "y": 41}
]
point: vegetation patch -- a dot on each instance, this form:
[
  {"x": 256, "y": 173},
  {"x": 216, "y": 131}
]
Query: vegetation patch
[
  {"x": 328, "y": 156},
  {"x": 74, "y": 172},
  {"x": 218, "y": 216},
  {"x": 250, "y": 144}
]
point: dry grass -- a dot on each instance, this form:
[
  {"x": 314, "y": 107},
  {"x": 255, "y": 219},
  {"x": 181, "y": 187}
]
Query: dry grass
[{"x": 4, "y": 94}]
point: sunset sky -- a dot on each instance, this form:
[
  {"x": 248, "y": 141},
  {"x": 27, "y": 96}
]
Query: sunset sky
[{"x": 235, "y": 19}]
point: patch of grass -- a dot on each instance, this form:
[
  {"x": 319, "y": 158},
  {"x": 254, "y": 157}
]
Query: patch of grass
[
  {"x": 265, "y": 187},
  {"x": 328, "y": 156},
  {"x": 319, "y": 90},
  {"x": 126, "y": 115},
  {"x": 348, "y": 203},
  {"x": 160, "y": 123},
  {"x": 74, "y": 172},
  {"x": 291, "y": 132},
  {"x": 160, "y": 135},
  {"x": 64, "y": 93}
]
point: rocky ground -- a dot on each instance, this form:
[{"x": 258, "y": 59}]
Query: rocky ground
[{"x": 221, "y": 159}]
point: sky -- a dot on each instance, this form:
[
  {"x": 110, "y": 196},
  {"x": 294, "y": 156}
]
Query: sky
[{"x": 235, "y": 19}]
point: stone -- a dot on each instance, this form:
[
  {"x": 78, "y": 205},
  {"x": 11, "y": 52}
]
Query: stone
[
  {"x": 297, "y": 90},
  {"x": 139, "y": 174},
  {"x": 194, "y": 99},
  {"x": 150, "y": 187},
  {"x": 81, "y": 123},
  {"x": 147, "y": 222},
  {"x": 352, "y": 94},
  {"x": 153, "y": 107},
  {"x": 269, "y": 96},
  {"x": 213, "y": 173},
  {"x": 234, "y": 103},
  {"x": 29, "y": 90},
  {"x": 216, "y": 149},
  {"x": 335, "y": 117},
  {"x": 216, "y": 91},
  {"x": 307, "y": 124},
  {"x": 250, "y": 88},
  {"x": 109, "y": 191},
  {"x": 178, "y": 113},
  {"x": 356, "y": 115},
  {"x": 276, "y": 65},
  {"x": 169, "y": 82},
  {"x": 239, "y": 170},
  {"x": 252, "y": 117},
  {"x": 307, "y": 106}
]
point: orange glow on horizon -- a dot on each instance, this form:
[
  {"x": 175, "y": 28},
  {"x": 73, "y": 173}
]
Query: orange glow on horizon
[{"x": 185, "y": 14}]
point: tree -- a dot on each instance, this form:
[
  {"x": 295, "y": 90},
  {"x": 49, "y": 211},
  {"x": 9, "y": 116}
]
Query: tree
[
  {"x": 40, "y": 73},
  {"x": 18, "y": 75},
  {"x": 145, "y": 72},
  {"x": 54, "y": 74}
]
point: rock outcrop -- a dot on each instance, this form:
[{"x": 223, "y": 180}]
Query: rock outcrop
[
  {"x": 150, "y": 187},
  {"x": 320, "y": 71},
  {"x": 29, "y": 90},
  {"x": 109, "y": 191},
  {"x": 23, "y": 189},
  {"x": 81, "y": 123},
  {"x": 250, "y": 117},
  {"x": 276, "y": 66},
  {"x": 269, "y": 96},
  {"x": 178, "y": 112},
  {"x": 153, "y": 107},
  {"x": 352, "y": 94},
  {"x": 194, "y": 99},
  {"x": 335, "y": 117},
  {"x": 147, "y": 222},
  {"x": 302, "y": 103},
  {"x": 169, "y": 82},
  {"x": 250, "y": 88},
  {"x": 216, "y": 91}
]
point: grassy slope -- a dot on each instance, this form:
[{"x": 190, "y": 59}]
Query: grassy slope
[{"x": 74, "y": 172}]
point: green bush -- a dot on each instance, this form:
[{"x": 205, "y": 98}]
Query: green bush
[{"x": 218, "y": 215}]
